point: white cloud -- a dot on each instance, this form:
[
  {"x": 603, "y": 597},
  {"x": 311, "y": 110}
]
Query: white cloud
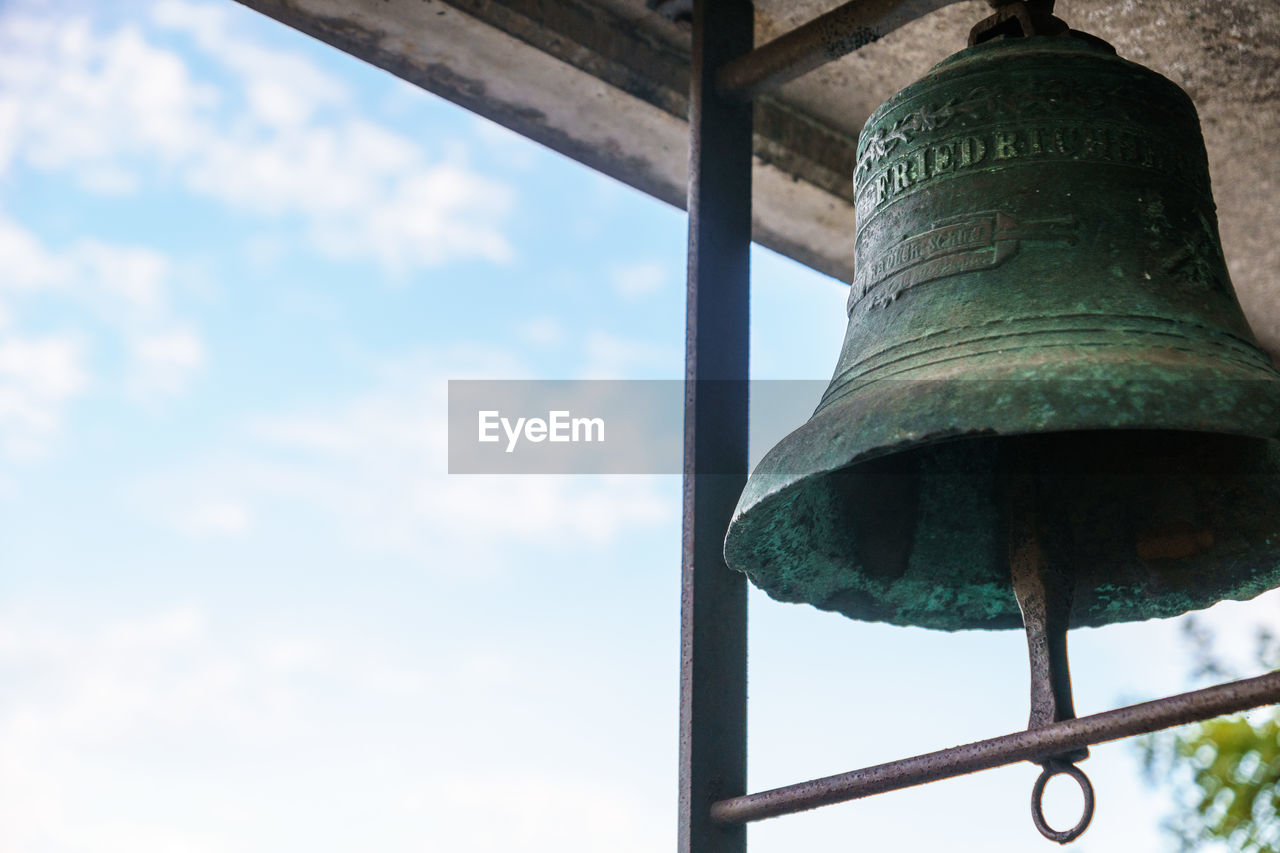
[
  {"x": 27, "y": 264},
  {"x": 379, "y": 462},
  {"x": 636, "y": 280},
  {"x": 611, "y": 357},
  {"x": 176, "y": 730},
  {"x": 165, "y": 361},
  {"x": 284, "y": 140},
  {"x": 543, "y": 332},
  {"x": 543, "y": 813},
  {"x": 124, "y": 734},
  {"x": 426, "y": 217},
  {"x": 282, "y": 88},
  {"x": 374, "y": 466},
  {"x": 215, "y": 518},
  {"x": 51, "y": 366},
  {"x": 38, "y": 376},
  {"x": 109, "y": 297},
  {"x": 84, "y": 101},
  {"x": 132, "y": 277},
  {"x": 127, "y": 278}
]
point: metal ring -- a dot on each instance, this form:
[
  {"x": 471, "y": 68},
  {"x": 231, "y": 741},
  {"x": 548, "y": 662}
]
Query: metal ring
[{"x": 1051, "y": 769}]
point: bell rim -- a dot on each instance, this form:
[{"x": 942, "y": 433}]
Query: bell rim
[
  {"x": 1247, "y": 408},
  {"x": 1250, "y": 409}
]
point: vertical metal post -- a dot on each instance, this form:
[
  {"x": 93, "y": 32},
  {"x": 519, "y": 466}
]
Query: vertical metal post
[{"x": 713, "y": 600}]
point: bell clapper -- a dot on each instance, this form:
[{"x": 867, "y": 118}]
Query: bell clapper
[{"x": 1044, "y": 596}]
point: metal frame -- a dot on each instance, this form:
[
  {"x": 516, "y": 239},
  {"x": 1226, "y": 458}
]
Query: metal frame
[
  {"x": 713, "y": 601},
  {"x": 726, "y": 73}
]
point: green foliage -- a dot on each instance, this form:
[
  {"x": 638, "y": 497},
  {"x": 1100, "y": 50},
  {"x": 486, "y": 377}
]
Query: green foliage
[
  {"x": 1234, "y": 786},
  {"x": 1225, "y": 773}
]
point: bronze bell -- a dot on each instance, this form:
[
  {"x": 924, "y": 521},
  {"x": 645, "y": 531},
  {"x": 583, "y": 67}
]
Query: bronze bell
[{"x": 1044, "y": 351}]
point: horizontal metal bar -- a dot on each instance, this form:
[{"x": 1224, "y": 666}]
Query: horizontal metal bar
[
  {"x": 828, "y": 37},
  {"x": 1031, "y": 745}
]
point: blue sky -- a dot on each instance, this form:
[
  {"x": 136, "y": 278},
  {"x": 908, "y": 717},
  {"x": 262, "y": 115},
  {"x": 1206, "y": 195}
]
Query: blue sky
[{"x": 242, "y": 606}]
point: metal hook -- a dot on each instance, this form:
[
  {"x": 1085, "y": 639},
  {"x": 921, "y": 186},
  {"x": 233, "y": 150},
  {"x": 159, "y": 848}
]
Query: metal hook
[{"x": 1051, "y": 769}]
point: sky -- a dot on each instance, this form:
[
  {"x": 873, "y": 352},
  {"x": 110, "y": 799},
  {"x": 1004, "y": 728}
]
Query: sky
[{"x": 243, "y": 607}]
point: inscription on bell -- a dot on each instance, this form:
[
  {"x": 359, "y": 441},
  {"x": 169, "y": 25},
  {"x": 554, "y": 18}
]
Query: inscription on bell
[
  {"x": 960, "y": 244},
  {"x": 931, "y": 160}
]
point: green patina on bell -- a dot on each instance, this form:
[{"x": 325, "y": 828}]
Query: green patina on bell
[{"x": 1038, "y": 276}]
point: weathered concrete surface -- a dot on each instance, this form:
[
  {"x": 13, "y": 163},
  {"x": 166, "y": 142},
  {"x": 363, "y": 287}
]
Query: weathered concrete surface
[
  {"x": 604, "y": 82},
  {"x": 1226, "y": 55}
]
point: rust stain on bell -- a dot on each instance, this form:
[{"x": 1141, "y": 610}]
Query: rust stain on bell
[{"x": 1037, "y": 256}]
